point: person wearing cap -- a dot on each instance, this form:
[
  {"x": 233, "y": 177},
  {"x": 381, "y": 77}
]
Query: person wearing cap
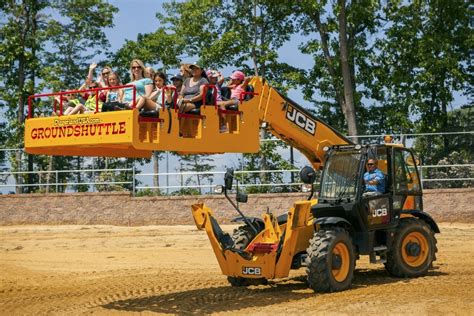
[
  {"x": 237, "y": 85},
  {"x": 193, "y": 88},
  {"x": 177, "y": 81},
  {"x": 374, "y": 179},
  {"x": 215, "y": 78}
]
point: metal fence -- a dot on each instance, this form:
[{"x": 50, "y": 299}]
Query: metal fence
[
  {"x": 135, "y": 182},
  {"x": 140, "y": 182}
]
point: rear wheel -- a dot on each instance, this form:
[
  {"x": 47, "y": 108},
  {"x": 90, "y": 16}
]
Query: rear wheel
[
  {"x": 330, "y": 262},
  {"x": 413, "y": 249},
  {"x": 242, "y": 236}
]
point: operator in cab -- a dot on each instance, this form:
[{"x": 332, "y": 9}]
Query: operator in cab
[{"x": 374, "y": 179}]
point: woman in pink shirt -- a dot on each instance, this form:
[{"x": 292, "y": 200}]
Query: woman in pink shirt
[{"x": 237, "y": 85}]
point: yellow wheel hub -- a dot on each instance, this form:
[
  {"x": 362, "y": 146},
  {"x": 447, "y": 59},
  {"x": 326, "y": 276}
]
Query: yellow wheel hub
[
  {"x": 415, "y": 249},
  {"x": 340, "y": 271}
]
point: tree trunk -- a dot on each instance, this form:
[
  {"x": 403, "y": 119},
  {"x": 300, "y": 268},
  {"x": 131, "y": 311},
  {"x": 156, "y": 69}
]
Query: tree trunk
[
  {"x": 21, "y": 83},
  {"x": 254, "y": 52},
  {"x": 156, "y": 170},
  {"x": 346, "y": 72},
  {"x": 329, "y": 62},
  {"x": 34, "y": 25}
]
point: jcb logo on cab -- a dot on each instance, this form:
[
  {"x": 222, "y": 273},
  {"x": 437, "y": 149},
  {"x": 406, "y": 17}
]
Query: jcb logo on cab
[
  {"x": 300, "y": 119},
  {"x": 380, "y": 212}
]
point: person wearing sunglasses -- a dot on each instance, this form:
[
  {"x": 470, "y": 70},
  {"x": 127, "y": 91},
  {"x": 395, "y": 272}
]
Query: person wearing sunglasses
[
  {"x": 103, "y": 79},
  {"x": 374, "y": 179},
  {"x": 143, "y": 85}
]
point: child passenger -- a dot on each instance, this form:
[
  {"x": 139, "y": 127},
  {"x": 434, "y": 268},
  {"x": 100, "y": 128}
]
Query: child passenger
[
  {"x": 114, "y": 94},
  {"x": 237, "y": 85},
  {"x": 155, "y": 101},
  {"x": 215, "y": 78},
  {"x": 71, "y": 104}
]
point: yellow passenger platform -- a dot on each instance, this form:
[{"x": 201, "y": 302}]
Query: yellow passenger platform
[{"x": 127, "y": 134}]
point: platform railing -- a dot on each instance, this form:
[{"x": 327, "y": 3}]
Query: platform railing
[{"x": 69, "y": 92}]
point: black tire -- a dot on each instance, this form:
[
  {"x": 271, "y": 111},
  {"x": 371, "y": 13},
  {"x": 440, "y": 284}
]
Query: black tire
[
  {"x": 242, "y": 236},
  {"x": 413, "y": 249},
  {"x": 330, "y": 247}
]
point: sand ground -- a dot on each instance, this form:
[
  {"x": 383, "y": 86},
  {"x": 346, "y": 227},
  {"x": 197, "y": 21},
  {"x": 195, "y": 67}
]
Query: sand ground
[{"x": 172, "y": 270}]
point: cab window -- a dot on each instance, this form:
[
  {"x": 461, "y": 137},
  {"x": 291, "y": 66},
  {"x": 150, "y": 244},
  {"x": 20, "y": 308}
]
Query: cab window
[{"x": 405, "y": 176}]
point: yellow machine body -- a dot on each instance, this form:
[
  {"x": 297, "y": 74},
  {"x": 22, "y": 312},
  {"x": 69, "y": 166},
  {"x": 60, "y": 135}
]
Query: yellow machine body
[{"x": 272, "y": 264}]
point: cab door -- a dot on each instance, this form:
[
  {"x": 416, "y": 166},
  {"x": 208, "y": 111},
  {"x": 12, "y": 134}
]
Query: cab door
[
  {"x": 406, "y": 184},
  {"x": 378, "y": 209}
]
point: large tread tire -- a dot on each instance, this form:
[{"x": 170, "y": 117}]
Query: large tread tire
[
  {"x": 399, "y": 262},
  {"x": 242, "y": 236},
  {"x": 328, "y": 268}
]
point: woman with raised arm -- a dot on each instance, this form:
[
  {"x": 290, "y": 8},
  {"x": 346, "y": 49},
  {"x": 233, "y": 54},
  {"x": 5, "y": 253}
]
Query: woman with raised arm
[{"x": 103, "y": 78}]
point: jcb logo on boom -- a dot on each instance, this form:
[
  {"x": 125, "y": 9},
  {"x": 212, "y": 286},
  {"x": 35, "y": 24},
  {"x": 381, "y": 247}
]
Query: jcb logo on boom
[
  {"x": 251, "y": 271},
  {"x": 380, "y": 212},
  {"x": 300, "y": 119}
]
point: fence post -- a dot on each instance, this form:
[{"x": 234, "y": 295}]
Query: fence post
[
  {"x": 133, "y": 180},
  {"x": 57, "y": 181},
  {"x": 421, "y": 175}
]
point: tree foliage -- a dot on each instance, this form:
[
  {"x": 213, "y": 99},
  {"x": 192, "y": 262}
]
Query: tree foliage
[{"x": 45, "y": 45}]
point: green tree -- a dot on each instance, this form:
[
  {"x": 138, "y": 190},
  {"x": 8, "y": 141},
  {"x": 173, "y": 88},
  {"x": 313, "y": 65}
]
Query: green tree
[
  {"x": 337, "y": 35},
  {"x": 419, "y": 65},
  {"x": 45, "y": 44}
]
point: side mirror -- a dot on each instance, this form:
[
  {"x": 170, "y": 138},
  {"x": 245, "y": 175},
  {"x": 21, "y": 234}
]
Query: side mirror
[
  {"x": 307, "y": 175},
  {"x": 241, "y": 197},
  {"x": 229, "y": 178}
]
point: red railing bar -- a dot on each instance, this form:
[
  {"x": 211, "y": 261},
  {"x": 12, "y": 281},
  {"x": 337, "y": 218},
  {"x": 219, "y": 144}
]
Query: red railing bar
[
  {"x": 242, "y": 94},
  {"x": 61, "y": 93}
]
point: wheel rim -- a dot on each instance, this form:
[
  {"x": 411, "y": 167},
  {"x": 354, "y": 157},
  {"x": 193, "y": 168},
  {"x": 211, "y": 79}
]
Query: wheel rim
[
  {"x": 341, "y": 272},
  {"x": 415, "y": 249}
]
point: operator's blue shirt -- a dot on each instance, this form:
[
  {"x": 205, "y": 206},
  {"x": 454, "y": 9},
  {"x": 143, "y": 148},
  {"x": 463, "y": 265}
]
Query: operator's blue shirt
[{"x": 375, "y": 174}]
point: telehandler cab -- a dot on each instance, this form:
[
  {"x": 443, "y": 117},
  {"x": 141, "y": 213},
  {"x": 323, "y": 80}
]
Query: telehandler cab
[{"x": 328, "y": 234}]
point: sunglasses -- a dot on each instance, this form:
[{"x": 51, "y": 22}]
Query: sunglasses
[
  {"x": 137, "y": 67},
  {"x": 105, "y": 73},
  {"x": 370, "y": 164}
]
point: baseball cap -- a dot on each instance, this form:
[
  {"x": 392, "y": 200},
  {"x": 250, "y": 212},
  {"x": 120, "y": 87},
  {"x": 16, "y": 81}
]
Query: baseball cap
[
  {"x": 237, "y": 75},
  {"x": 195, "y": 65},
  {"x": 177, "y": 77}
]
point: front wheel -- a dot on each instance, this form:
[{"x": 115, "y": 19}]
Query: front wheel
[
  {"x": 330, "y": 263},
  {"x": 413, "y": 249}
]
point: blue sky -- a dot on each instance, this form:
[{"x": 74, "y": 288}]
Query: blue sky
[{"x": 139, "y": 16}]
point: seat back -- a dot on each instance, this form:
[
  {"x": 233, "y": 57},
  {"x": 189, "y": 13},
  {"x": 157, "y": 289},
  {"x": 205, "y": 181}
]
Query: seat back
[{"x": 250, "y": 89}]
